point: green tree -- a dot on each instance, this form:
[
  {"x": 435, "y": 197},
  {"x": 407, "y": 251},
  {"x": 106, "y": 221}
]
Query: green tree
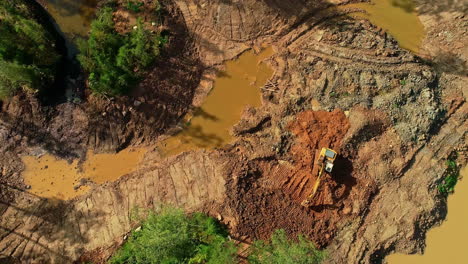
[
  {"x": 281, "y": 250},
  {"x": 174, "y": 237},
  {"x": 28, "y": 58},
  {"x": 116, "y": 62}
]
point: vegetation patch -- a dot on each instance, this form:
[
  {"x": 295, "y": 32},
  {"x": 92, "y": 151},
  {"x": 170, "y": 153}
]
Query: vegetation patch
[
  {"x": 174, "y": 237},
  {"x": 116, "y": 62},
  {"x": 171, "y": 236},
  {"x": 281, "y": 250},
  {"x": 451, "y": 175},
  {"x": 134, "y": 6},
  {"x": 28, "y": 57}
]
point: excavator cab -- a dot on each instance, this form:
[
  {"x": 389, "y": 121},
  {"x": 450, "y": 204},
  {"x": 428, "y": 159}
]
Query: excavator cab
[
  {"x": 325, "y": 161},
  {"x": 330, "y": 156}
]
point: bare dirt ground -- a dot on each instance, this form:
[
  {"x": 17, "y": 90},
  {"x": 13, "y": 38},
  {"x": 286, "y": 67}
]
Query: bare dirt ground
[{"x": 393, "y": 117}]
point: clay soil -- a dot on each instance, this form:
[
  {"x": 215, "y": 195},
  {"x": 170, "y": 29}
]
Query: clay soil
[
  {"x": 267, "y": 194},
  {"x": 342, "y": 83}
]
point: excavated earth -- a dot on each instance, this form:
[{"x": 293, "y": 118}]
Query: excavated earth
[{"x": 393, "y": 117}]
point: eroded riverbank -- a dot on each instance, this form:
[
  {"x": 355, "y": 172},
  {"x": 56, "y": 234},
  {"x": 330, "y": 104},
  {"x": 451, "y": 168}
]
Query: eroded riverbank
[{"x": 445, "y": 243}]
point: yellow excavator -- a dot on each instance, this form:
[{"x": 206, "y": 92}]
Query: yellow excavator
[{"x": 325, "y": 161}]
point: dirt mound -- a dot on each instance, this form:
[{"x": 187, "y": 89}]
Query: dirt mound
[
  {"x": 266, "y": 194},
  {"x": 314, "y": 131}
]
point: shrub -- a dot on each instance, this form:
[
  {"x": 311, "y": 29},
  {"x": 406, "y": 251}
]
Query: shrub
[
  {"x": 281, "y": 250},
  {"x": 452, "y": 172},
  {"x": 116, "y": 62},
  {"x": 28, "y": 58},
  {"x": 134, "y": 6},
  {"x": 14, "y": 76},
  {"x": 174, "y": 237}
]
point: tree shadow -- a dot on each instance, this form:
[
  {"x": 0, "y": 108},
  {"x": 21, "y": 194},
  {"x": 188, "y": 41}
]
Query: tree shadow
[
  {"x": 407, "y": 5},
  {"x": 447, "y": 62},
  {"x": 202, "y": 113},
  {"x": 434, "y": 7},
  {"x": 200, "y": 138},
  {"x": 37, "y": 136}
]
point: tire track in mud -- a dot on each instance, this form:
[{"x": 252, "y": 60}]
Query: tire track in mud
[
  {"x": 313, "y": 131},
  {"x": 255, "y": 193},
  {"x": 71, "y": 227}
]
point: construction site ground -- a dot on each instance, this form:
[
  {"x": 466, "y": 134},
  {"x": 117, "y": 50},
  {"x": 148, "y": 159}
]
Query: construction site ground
[{"x": 339, "y": 82}]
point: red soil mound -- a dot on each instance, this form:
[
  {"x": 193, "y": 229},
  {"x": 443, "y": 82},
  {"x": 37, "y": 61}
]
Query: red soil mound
[
  {"x": 313, "y": 130},
  {"x": 266, "y": 194}
]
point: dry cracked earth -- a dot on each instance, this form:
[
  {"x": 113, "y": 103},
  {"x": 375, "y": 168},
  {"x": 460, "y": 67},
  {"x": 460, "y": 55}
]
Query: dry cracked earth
[{"x": 338, "y": 82}]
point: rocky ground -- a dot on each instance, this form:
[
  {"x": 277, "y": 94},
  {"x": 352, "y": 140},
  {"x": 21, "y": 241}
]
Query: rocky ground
[{"x": 392, "y": 116}]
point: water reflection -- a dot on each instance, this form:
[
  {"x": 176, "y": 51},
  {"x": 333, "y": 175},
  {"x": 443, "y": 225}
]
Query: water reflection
[
  {"x": 73, "y": 16},
  {"x": 406, "y": 5},
  {"x": 235, "y": 87}
]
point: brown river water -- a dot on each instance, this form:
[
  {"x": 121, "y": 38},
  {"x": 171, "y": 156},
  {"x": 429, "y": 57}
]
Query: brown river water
[
  {"x": 238, "y": 86},
  {"x": 57, "y": 178}
]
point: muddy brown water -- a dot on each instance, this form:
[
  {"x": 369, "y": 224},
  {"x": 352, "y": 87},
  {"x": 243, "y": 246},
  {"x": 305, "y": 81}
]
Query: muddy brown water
[
  {"x": 57, "y": 178},
  {"x": 234, "y": 88},
  {"x": 397, "y": 17},
  {"x": 73, "y": 16},
  {"x": 446, "y": 243}
]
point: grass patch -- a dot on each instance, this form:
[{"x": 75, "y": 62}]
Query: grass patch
[
  {"x": 117, "y": 62},
  {"x": 174, "y": 237},
  {"x": 28, "y": 58},
  {"x": 451, "y": 175},
  {"x": 281, "y": 250}
]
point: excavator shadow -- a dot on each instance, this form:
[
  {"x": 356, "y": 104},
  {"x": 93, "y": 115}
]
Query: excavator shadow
[
  {"x": 336, "y": 187},
  {"x": 342, "y": 175}
]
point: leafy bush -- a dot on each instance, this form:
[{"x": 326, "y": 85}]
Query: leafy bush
[
  {"x": 281, "y": 250},
  {"x": 14, "y": 76},
  {"x": 28, "y": 57},
  {"x": 174, "y": 237},
  {"x": 116, "y": 62},
  {"x": 451, "y": 177},
  {"x": 134, "y": 6}
]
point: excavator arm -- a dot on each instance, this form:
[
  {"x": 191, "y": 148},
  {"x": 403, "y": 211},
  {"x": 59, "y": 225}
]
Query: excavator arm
[
  {"x": 325, "y": 160},
  {"x": 309, "y": 198}
]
